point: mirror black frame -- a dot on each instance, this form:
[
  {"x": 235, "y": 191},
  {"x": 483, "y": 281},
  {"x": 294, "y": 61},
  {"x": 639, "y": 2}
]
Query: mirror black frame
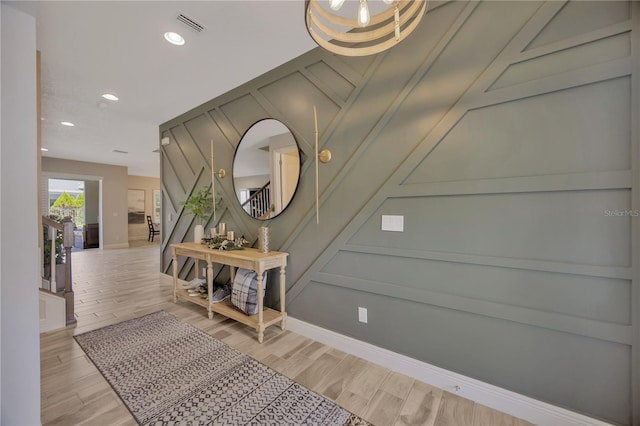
[{"x": 272, "y": 214}]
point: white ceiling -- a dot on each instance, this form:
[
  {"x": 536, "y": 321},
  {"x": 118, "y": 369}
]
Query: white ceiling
[{"x": 93, "y": 47}]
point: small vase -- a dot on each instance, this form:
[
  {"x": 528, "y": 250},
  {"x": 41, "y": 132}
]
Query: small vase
[
  {"x": 198, "y": 233},
  {"x": 264, "y": 239}
]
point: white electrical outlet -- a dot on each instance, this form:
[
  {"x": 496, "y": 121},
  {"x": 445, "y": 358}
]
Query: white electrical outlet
[{"x": 362, "y": 315}]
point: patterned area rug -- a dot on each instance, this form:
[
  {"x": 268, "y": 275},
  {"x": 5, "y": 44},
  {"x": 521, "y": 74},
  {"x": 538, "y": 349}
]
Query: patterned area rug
[{"x": 168, "y": 372}]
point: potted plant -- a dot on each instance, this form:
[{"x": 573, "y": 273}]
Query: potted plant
[{"x": 200, "y": 204}]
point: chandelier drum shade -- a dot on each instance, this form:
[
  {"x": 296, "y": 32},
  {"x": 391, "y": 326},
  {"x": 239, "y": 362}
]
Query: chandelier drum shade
[{"x": 362, "y": 34}]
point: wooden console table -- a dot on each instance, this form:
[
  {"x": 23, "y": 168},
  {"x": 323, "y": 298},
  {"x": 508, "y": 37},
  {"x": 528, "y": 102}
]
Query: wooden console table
[{"x": 249, "y": 258}]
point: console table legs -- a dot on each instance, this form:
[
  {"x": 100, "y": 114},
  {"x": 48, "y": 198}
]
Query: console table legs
[
  {"x": 174, "y": 256},
  {"x": 210, "y": 287},
  {"x": 283, "y": 284},
  {"x": 260, "y": 289}
]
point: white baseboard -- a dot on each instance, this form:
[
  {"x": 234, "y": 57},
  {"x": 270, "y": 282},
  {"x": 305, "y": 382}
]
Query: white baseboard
[{"x": 509, "y": 402}]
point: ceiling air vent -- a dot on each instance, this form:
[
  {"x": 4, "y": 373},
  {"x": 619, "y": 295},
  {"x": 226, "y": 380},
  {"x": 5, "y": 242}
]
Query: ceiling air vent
[
  {"x": 120, "y": 152},
  {"x": 190, "y": 22}
]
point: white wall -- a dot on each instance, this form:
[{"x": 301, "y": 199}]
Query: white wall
[
  {"x": 19, "y": 271},
  {"x": 0, "y": 213}
]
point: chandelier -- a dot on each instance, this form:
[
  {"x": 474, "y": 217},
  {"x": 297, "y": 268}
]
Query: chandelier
[{"x": 363, "y": 34}]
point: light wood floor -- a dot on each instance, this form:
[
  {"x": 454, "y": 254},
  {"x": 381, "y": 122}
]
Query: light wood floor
[{"x": 116, "y": 285}]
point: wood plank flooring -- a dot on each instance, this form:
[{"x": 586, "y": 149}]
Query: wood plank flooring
[{"x": 115, "y": 285}]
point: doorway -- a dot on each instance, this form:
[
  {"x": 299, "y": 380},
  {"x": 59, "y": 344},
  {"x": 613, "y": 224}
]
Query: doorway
[{"x": 79, "y": 201}]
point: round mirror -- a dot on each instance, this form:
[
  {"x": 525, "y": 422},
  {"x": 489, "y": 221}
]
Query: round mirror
[{"x": 266, "y": 168}]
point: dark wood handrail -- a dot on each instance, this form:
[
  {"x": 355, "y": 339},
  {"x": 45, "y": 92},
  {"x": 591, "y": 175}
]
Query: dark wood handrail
[
  {"x": 256, "y": 194},
  {"x": 259, "y": 205}
]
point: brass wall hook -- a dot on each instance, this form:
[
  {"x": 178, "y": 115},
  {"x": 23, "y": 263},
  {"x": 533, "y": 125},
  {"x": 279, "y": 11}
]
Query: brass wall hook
[{"x": 324, "y": 156}]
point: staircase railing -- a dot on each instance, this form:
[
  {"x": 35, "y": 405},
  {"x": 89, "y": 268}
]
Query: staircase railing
[
  {"x": 259, "y": 204},
  {"x": 51, "y": 252}
]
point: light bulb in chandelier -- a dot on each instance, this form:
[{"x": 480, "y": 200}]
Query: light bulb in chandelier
[
  {"x": 396, "y": 19},
  {"x": 363, "y": 14},
  {"x": 388, "y": 1},
  {"x": 336, "y": 4}
]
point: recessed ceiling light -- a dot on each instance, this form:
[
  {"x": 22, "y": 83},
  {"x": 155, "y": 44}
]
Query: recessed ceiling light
[
  {"x": 110, "y": 97},
  {"x": 174, "y": 38},
  {"x": 67, "y": 123},
  {"x": 44, "y": 149}
]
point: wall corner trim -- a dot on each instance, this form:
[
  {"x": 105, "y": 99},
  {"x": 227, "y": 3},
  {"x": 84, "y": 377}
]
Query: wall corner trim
[
  {"x": 509, "y": 402},
  {"x": 54, "y": 312}
]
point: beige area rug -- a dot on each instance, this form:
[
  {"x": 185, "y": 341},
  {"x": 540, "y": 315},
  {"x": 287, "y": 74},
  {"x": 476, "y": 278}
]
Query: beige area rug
[{"x": 168, "y": 372}]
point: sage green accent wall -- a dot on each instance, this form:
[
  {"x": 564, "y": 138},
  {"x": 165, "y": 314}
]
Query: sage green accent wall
[{"x": 506, "y": 135}]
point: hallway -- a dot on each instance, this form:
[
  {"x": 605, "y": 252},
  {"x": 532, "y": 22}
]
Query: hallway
[{"x": 116, "y": 285}]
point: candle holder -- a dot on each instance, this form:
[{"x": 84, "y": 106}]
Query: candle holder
[{"x": 264, "y": 239}]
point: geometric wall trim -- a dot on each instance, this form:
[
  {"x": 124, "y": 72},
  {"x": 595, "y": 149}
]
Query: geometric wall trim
[{"x": 506, "y": 135}]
